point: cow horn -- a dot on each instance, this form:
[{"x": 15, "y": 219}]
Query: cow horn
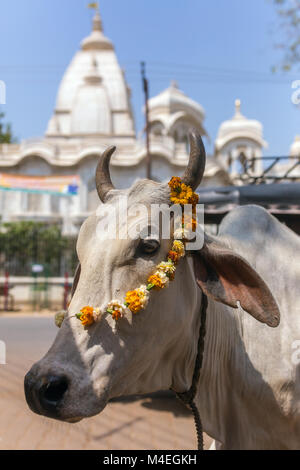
[
  {"x": 196, "y": 166},
  {"x": 103, "y": 180}
]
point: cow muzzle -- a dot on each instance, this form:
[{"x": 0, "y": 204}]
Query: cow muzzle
[
  {"x": 45, "y": 395},
  {"x": 64, "y": 393}
]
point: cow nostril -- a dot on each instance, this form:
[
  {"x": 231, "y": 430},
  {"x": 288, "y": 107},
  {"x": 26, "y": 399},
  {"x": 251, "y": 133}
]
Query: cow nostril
[{"x": 52, "y": 391}]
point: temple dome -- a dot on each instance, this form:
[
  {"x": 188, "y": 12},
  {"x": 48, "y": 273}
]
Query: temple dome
[
  {"x": 172, "y": 100},
  {"x": 112, "y": 93},
  {"x": 295, "y": 147},
  {"x": 239, "y": 127},
  {"x": 173, "y": 112}
]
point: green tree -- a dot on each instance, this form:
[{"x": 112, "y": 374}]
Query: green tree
[
  {"x": 289, "y": 13},
  {"x": 25, "y": 243},
  {"x": 6, "y": 136}
]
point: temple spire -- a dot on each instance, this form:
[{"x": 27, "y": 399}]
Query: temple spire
[
  {"x": 97, "y": 22},
  {"x": 238, "y": 114},
  {"x": 237, "y": 106}
]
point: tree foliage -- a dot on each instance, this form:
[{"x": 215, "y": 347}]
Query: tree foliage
[
  {"x": 6, "y": 136},
  {"x": 25, "y": 243},
  {"x": 289, "y": 13}
]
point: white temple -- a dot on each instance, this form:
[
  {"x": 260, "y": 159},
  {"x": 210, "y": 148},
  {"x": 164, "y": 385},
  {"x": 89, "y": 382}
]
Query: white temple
[
  {"x": 93, "y": 110},
  {"x": 238, "y": 140},
  {"x": 295, "y": 147}
]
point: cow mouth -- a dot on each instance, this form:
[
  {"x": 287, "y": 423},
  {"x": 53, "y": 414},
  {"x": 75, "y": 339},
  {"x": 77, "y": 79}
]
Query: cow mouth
[{"x": 73, "y": 420}]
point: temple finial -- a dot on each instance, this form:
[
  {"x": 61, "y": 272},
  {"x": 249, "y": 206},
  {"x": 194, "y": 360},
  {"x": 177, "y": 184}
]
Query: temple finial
[
  {"x": 97, "y": 22},
  {"x": 237, "y": 104},
  {"x": 94, "y": 6},
  {"x": 174, "y": 84}
]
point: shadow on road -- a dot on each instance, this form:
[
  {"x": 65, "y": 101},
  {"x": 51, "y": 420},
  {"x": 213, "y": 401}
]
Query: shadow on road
[{"x": 158, "y": 401}]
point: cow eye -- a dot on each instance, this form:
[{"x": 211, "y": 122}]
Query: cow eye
[{"x": 149, "y": 246}]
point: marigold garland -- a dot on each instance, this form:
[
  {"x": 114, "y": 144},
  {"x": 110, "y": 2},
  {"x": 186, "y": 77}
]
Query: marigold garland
[{"x": 137, "y": 299}]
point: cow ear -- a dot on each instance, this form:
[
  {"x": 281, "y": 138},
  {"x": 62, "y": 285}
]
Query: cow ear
[
  {"x": 228, "y": 278},
  {"x": 76, "y": 279}
]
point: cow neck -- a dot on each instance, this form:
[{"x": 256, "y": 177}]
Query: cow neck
[{"x": 188, "y": 397}]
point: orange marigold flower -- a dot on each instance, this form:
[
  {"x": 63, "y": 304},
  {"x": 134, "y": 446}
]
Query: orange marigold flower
[
  {"x": 87, "y": 310},
  {"x": 175, "y": 183},
  {"x": 86, "y": 316},
  {"x": 116, "y": 314},
  {"x": 173, "y": 256},
  {"x": 156, "y": 281},
  {"x": 133, "y": 301}
]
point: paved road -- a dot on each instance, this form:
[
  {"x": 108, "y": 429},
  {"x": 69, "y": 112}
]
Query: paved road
[{"x": 147, "y": 423}]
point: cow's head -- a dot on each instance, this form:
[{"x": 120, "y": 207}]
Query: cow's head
[{"x": 156, "y": 348}]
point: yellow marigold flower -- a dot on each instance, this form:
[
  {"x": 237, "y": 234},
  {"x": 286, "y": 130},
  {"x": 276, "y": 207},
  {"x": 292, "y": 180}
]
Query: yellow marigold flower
[
  {"x": 178, "y": 246},
  {"x": 194, "y": 199},
  {"x": 178, "y": 200},
  {"x": 167, "y": 267},
  {"x": 166, "y": 271},
  {"x": 183, "y": 196},
  {"x": 86, "y": 316},
  {"x": 188, "y": 190}
]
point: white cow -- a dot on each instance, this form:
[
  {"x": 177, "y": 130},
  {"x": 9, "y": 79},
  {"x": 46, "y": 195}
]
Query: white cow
[{"x": 249, "y": 390}]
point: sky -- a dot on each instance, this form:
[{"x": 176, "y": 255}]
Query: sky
[{"x": 217, "y": 51}]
